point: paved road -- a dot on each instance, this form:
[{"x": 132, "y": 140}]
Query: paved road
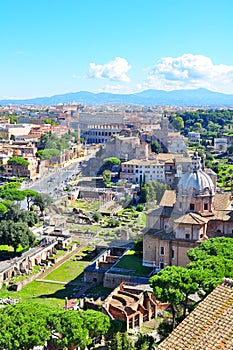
[
  {"x": 54, "y": 182},
  {"x": 50, "y": 183}
]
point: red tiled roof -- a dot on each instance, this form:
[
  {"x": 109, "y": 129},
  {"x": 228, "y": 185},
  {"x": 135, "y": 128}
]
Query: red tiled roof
[
  {"x": 209, "y": 326},
  {"x": 168, "y": 199}
]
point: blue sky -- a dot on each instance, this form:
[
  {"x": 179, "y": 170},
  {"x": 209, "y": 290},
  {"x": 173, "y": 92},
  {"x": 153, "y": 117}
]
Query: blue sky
[{"x": 52, "y": 47}]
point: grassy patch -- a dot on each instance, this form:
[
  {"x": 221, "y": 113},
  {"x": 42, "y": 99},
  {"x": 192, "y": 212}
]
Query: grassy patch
[
  {"x": 69, "y": 271},
  {"x": 19, "y": 278},
  {"x": 131, "y": 261},
  {"x": 59, "y": 253},
  {"x": 52, "y": 293},
  {"x": 5, "y": 248},
  {"x": 41, "y": 292}
]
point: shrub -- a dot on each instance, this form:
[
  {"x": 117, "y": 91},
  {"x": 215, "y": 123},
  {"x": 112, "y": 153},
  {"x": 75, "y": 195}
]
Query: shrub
[
  {"x": 140, "y": 207},
  {"x": 96, "y": 216},
  {"x": 113, "y": 222}
]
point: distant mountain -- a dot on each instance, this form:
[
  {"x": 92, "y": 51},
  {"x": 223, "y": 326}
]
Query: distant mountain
[{"x": 198, "y": 98}]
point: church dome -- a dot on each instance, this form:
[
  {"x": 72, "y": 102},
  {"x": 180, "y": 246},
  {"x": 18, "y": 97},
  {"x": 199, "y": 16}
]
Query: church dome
[{"x": 196, "y": 181}]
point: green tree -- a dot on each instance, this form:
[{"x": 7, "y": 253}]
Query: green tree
[
  {"x": 11, "y": 192},
  {"x": 144, "y": 194},
  {"x": 96, "y": 216},
  {"x": 24, "y": 326},
  {"x": 106, "y": 177},
  {"x": 51, "y": 141},
  {"x": 69, "y": 331},
  {"x": 116, "y": 326},
  {"x": 13, "y": 118},
  {"x": 164, "y": 329},
  {"x": 144, "y": 342},
  {"x": 45, "y": 138},
  {"x": 155, "y": 147},
  {"x": 29, "y": 194},
  {"x": 210, "y": 272},
  {"x": 2, "y": 169},
  {"x": 174, "y": 284},
  {"x": 159, "y": 189},
  {"x": 111, "y": 161},
  {"x": 178, "y": 123},
  {"x": 220, "y": 247},
  {"x": 13, "y": 212},
  {"x": 48, "y": 153},
  {"x": 16, "y": 214},
  {"x": 211, "y": 261},
  {"x": 3, "y": 209},
  {"x": 15, "y": 234},
  {"x": 96, "y": 322},
  {"x": 50, "y": 121},
  {"x": 42, "y": 200},
  {"x": 113, "y": 222},
  {"x": 197, "y": 126},
  {"x": 121, "y": 341},
  {"x": 151, "y": 192},
  {"x": 18, "y": 161}
]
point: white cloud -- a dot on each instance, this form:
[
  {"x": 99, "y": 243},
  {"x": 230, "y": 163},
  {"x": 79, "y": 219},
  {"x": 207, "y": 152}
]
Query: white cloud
[
  {"x": 189, "y": 72},
  {"x": 113, "y": 70}
]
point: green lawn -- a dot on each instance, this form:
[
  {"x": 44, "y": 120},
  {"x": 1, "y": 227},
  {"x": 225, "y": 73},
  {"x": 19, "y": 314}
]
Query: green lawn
[
  {"x": 85, "y": 206},
  {"x": 69, "y": 271},
  {"x": 131, "y": 261},
  {"x": 52, "y": 293},
  {"x": 8, "y": 250},
  {"x": 45, "y": 293}
]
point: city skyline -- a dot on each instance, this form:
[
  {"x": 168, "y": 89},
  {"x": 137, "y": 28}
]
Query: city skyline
[{"x": 50, "y": 47}]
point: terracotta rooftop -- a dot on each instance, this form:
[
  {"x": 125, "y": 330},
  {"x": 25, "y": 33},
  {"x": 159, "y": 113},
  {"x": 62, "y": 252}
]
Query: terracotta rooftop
[
  {"x": 168, "y": 199},
  {"x": 222, "y": 201},
  {"x": 183, "y": 160},
  {"x": 209, "y": 326},
  {"x": 161, "y": 211},
  {"x": 143, "y": 162},
  {"x": 191, "y": 218},
  {"x": 160, "y": 233}
]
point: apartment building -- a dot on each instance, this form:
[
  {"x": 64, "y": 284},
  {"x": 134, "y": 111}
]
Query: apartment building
[{"x": 138, "y": 170}]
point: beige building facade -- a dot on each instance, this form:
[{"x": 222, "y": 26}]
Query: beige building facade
[{"x": 185, "y": 218}]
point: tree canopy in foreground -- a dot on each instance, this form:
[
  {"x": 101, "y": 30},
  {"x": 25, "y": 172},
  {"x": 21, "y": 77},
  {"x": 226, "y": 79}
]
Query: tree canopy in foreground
[
  {"x": 210, "y": 262},
  {"x": 24, "y": 326}
]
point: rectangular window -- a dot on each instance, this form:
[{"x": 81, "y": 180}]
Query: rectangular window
[
  {"x": 187, "y": 236},
  {"x": 205, "y": 206},
  {"x": 191, "y": 206},
  {"x": 161, "y": 250},
  {"x": 173, "y": 254}
]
